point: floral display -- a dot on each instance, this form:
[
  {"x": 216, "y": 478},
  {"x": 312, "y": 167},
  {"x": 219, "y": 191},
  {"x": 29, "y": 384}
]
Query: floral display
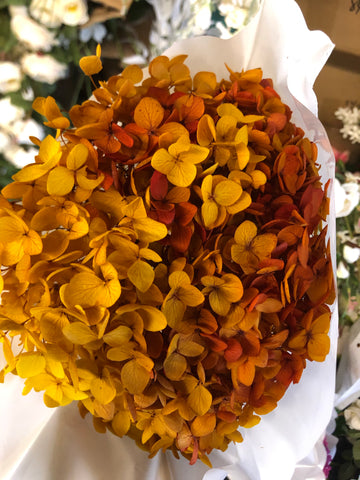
[
  {"x": 350, "y": 116},
  {"x": 346, "y": 462},
  {"x": 165, "y": 261}
]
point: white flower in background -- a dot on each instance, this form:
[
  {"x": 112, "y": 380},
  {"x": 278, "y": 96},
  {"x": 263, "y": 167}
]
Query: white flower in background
[
  {"x": 30, "y": 33},
  {"x": 341, "y": 271},
  {"x": 350, "y": 116},
  {"x": 72, "y": 12},
  {"x": 344, "y": 236},
  {"x": 5, "y": 141},
  {"x": 178, "y": 19},
  {"x": 202, "y": 16},
  {"x": 52, "y": 13},
  {"x": 352, "y": 415},
  {"x": 23, "y": 129},
  {"x": 20, "y": 157},
  {"x": 224, "y": 32},
  {"x": 233, "y": 13},
  {"x": 28, "y": 94},
  {"x": 352, "y": 177},
  {"x": 351, "y": 254},
  {"x": 96, "y": 31},
  {"x": 236, "y": 12},
  {"x": 44, "y": 11},
  {"x": 347, "y": 197},
  {"x": 352, "y": 132},
  {"x": 10, "y": 77},
  {"x": 9, "y": 113},
  {"x": 43, "y": 68}
]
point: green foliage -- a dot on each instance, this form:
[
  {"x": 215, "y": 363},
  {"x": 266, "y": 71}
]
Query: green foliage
[
  {"x": 10, "y": 3},
  {"x": 6, "y": 171}
]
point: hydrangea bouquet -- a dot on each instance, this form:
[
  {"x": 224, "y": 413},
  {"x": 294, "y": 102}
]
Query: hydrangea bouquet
[{"x": 165, "y": 261}]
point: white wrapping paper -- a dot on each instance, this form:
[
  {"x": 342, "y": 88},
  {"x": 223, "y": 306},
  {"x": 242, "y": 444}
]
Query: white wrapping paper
[{"x": 44, "y": 444}]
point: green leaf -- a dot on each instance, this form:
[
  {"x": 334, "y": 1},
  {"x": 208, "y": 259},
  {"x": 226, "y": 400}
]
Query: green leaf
[
  {"x": 18, "y": 100},
  {"x": 356, "y": 450},
  {"x": 346, "y": 471},
  {"x": 6, "y": 171}
]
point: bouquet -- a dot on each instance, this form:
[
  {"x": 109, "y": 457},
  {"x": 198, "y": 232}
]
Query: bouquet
[{"x": 165, "y": 262}]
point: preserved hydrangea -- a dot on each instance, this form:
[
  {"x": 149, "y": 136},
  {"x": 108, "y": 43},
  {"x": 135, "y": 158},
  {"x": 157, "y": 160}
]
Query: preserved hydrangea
[{"x": 165, "y": 262}]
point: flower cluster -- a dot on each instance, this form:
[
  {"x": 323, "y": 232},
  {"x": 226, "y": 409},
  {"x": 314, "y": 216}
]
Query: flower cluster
[
  {"x": 237, "y": 12},
  {"x": 164, "y": 261},
  {"x": 346, "y": 462},
  {"x": 350, "y": 116}
]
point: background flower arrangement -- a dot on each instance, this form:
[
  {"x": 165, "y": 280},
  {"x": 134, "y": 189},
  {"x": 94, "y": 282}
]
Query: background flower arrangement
[{"x": 346, "y": 463}]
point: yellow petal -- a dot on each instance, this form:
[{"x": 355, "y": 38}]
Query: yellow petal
[
  {"x": 79, "y": 333},
  {"x": 121, "y": 423},
  {"x": 87, "y": 290},
  {"x": 154, "y": 320},
  {"x": 119, "y": 354},
  {"x": 119, "y": 336},
  {"x": 226, "y": 128},
  {"x": 178, "y": 278},
  {"x": 242, "y": 155},
  {"x": 318, "y": 347},
  {"x": 203, "y": 425},
  {"x": 209, "y": 212},
  {"x": 227, "y": 192},
  {"x": 181, "y": 173},
  {"x": 134, "y": 377},
  {"x": 49, "y": 151},
  {"x": 60, "y": 181},
  {"x": 141, "y": 274},
  {"x": 258, "y": 178},
  {"x": 190, "y": 295},
  {"x": 77, "y": 228},
  {"x": 77, "y": 157},
  {"x": 219, "y": 303},
  {"x": 245, "y": 233},
  {"x": 233, "y": 288},
  {"x": 174, "y": 310},
  {"x": 55, "y": 244},
  {"x": 241, "y": 204},
  {"x": 32, "y": 243},
  {"x": 149, "y": 254},
  {"x": 162, "y": 161},
  {"x": 242, "y": 135},
  {"x": 263, "y": 245},
  {"x": 88, "y": 183},
  {"x": 30, "y": 364},
  {"x": 12, "y": 229},
  {"x": 148, "y": 113},
  {"x": 206, "y": 131},
  {"x": 175, "y": 366},
  {"x": 90, "y": 65},
  {"x": 200, "y": 400},
  {"x": 149, "y": 230},
  {"x": 103, "y": 390}
]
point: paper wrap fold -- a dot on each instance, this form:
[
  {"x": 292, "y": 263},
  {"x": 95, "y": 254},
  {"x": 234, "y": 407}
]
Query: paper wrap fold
[{"x": 42, "y": 444}]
